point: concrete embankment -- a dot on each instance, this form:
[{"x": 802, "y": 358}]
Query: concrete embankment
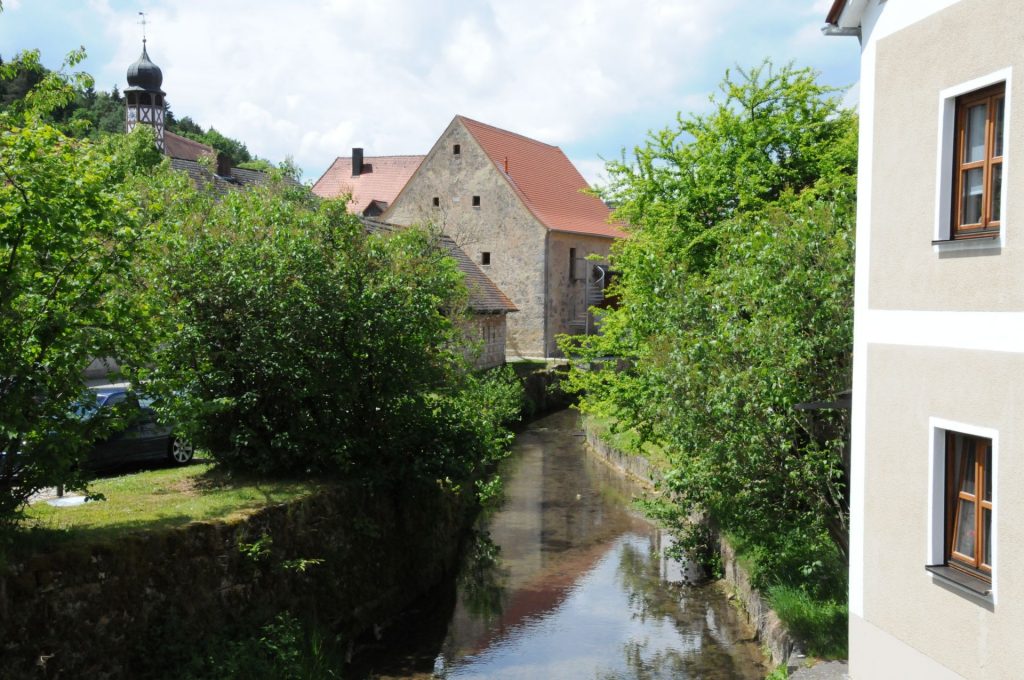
[{"x": 770, "y": 630}]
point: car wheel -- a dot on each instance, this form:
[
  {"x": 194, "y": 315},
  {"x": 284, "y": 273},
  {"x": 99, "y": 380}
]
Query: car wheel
[{"x": 180, "y": 451}]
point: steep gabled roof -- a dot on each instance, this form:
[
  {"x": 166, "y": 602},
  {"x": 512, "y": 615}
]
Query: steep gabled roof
[
  {"x": 184, "y": 148},
  {"x": 484, "y": 296},
  {"x": 380, "y": 179},
  {"x": 546, "y": 181}
]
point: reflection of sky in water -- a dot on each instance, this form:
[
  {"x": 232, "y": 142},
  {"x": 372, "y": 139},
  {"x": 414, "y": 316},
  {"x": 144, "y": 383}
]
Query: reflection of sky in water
[{"x": 588, "y": 635}]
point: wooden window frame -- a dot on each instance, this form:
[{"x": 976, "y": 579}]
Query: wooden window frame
[
  {"x": 971, "y": 565},
  {"x": 990, "y": 163}
]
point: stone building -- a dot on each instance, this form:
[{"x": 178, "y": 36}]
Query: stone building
[
  {"x": 937, "y": 430},
  {"x": 518, "y": 208}
]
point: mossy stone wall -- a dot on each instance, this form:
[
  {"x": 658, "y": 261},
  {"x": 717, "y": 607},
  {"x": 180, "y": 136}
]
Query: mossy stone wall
[{"x": 130, "y": 608}]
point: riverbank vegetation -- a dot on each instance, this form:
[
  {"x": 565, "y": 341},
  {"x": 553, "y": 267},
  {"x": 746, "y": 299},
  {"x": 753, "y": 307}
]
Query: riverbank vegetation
[
  {"x": 735, "y": 319},
  {"x": 270, "y": 327}
]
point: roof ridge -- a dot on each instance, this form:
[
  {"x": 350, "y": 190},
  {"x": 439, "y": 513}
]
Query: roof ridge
[
  {"x": 466, "y": 119},
  {"x": 397, "y": 155}
]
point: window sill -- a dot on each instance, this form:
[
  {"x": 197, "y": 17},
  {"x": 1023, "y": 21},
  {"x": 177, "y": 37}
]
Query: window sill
[
  {"x": 968, "y": 244},
  {"x": 960, "y": 581}
]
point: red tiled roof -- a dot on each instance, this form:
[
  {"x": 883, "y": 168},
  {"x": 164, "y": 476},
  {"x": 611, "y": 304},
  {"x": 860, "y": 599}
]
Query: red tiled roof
[
  {"x": 184, "y": 148},
  {"x": 546, "y": 180},
  {"x": 380, "y": 179}
]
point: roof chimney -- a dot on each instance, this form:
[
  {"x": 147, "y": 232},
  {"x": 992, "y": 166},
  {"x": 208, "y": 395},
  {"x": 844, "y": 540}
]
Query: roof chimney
[
  {"x": 223, "y": 165},
  {"x": 357, "y": 161},
  {"x": 506, "y": 165}
]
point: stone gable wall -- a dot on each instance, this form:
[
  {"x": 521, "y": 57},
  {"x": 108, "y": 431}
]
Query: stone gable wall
[{"x": 501, "y": 226}]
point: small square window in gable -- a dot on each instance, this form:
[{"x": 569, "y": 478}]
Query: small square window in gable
[
  {"x": 485, "y": 258},
  {"x": 476, "y": 201},
  {"x": 437, "y": 201},
  {"x": 456, "y": 150}
]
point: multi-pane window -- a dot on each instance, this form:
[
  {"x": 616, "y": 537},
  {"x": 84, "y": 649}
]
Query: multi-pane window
[
  {"x": 978, "y": 162},
  {"x": 969, "y": 504}
]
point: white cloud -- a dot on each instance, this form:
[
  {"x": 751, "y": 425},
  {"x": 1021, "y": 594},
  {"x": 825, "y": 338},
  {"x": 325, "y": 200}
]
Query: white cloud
[{"x": 314, "y": 79}]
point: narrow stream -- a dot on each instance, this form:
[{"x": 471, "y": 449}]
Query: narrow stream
[{"x": 566, "y": 580}]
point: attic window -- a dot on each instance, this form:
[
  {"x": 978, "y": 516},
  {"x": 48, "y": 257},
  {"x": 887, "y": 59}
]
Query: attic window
[
  {"x": 456, "y": 150},
  {"x": 437, "y": 202},
  {"x": 476, "y": 201},
  {"x": 485, "y": 258}
]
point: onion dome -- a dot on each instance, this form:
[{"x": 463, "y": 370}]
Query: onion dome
[{"x": 144, "y": 74}]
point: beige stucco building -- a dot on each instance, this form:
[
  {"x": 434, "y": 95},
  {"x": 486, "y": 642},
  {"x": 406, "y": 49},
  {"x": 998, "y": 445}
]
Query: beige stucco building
[
  {"x": 517, "y": 207},
  {"x": 937, "y": 474}
]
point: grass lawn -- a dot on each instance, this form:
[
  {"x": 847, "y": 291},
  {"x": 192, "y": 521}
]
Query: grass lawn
[{"x": 156, "y": 499}]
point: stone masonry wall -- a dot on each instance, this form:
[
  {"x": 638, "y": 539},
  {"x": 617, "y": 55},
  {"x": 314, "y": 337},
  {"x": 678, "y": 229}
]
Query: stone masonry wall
[
  {"x": 501, "y": 226},
  {"x": 113, "y": 609},
  {"x": 566, "y": 294},
  {"x": 488, "y": 331}
]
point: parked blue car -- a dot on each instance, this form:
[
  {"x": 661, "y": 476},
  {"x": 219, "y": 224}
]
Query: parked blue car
[{"x": 142, "y": 439}]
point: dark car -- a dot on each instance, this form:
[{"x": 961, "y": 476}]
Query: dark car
[{"x": 142, "y": 439}]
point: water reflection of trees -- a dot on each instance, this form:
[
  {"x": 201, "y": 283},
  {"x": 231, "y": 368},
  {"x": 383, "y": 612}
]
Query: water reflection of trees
[
  {"x": 481, "y": 580},
  {"x": 702, "y": 650}
]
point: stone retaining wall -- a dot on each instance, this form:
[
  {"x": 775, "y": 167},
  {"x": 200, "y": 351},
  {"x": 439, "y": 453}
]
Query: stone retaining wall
[
  {"x": 113, "y": 609},
  {"x": 770, "y": 630}
]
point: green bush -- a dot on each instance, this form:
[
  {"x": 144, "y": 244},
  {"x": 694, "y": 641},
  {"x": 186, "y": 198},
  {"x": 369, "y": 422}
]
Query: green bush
[
  {"x": 736, "y": 299},
  {"x": 291, "y": 342},
  {"x": 285, "y": 647}
]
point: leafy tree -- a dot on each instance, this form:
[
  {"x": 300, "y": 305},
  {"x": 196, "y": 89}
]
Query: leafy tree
[
  {"x": 70, "y": 221},
  {"x": 736, "y": 306},
  {"x": 293, "y": 343}
]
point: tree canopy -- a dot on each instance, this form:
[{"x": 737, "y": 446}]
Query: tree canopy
[
  {"x": 269, "y": 326},
  {"x": 735, "y": 288},
  {"x": 70, "y": 222}
]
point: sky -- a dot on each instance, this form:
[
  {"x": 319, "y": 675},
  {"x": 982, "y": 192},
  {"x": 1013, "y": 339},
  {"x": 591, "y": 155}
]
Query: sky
[{"x": 311, "y": 79}]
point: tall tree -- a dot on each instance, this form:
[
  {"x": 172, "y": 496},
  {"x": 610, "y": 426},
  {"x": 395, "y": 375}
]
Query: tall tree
[
  {"x": 70, "y": 219},
  {"x": 736, "y": 306}
]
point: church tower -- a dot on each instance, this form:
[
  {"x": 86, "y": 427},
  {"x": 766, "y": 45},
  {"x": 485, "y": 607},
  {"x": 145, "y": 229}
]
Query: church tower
[{"x": 144, "y": 100}]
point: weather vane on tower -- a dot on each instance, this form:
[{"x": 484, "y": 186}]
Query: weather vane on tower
[{"x": 143, "y": 22}]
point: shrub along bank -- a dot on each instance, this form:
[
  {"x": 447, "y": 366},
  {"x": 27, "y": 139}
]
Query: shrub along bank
[{"x": 735, "y": 293}]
